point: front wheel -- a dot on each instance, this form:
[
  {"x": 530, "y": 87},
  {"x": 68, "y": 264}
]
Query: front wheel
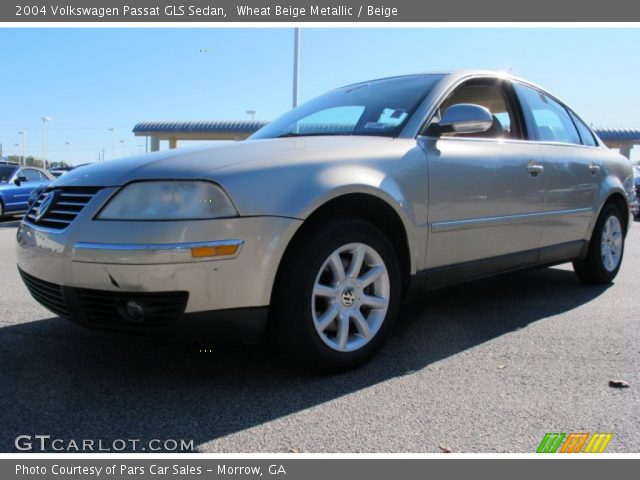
[
  {"x": 603, "y": 259},
  {"x": 337, "y": 295}
]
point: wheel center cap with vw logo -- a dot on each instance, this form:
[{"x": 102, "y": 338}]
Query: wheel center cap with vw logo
[
  {"x": 45, "y": 204},
  {"x": 348, "y": 297}
]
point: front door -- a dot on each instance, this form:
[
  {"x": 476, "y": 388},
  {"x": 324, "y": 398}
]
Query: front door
[{"x": 485, "y": 190}]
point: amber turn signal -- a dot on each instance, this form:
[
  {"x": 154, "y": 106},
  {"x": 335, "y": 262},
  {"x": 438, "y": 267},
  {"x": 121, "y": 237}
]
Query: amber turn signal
[{"x": 211, "y": 251}]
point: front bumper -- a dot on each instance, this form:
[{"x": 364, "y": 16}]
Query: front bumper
[{"x": 151, "y": 262}]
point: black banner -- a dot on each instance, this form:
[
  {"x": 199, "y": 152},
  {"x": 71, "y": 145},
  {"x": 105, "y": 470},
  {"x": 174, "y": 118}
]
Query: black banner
[
  {"x": 319, "y": 11},
  {"x": 316, "y": 469}
]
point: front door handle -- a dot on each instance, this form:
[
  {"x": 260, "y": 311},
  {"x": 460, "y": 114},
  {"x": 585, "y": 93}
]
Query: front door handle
[
  {"x": 535, "y": 168},
  {"x": 594, "y": 168}
]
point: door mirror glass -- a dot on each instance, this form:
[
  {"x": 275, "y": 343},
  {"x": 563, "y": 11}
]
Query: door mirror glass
[{"x": 466, "y": 118}]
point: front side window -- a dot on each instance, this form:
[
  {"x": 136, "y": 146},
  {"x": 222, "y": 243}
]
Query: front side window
[
  {"x": 30, "y": 174},
  {"x": 380, "y": 107},
  {"x": 492, "y": 95},
  {"x": 550, "y": 120},
  {"x": 585, "y": 133}
]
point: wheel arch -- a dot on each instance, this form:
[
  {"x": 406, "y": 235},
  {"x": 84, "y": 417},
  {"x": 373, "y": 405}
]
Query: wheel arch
[
  {"x": 618, "y": 199},
  {"x": 365, "y": 206}
]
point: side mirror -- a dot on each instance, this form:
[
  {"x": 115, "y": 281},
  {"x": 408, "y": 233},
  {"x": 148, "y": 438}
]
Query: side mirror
[
  {"x": 466, "y": 118},
  {"x": 19, "y": 180}
]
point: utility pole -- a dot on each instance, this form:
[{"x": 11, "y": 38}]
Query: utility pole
[
  {"x": 24, "y": 143},
  {"x": 68, "y": 144},
  {"x": 296, "y": 64},
  {"x": 113, "y": 142},
  {"x": 45, "y": 120}
]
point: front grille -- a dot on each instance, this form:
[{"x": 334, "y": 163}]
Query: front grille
[
  {"x": 48, "y": 294},
  {"x": 109, "y": 308},
  {"x": 65, "y": 206}
]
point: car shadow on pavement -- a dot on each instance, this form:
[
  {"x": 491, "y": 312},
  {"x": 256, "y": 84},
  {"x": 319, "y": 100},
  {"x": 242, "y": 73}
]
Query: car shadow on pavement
[{"x": 61, "y": 380}]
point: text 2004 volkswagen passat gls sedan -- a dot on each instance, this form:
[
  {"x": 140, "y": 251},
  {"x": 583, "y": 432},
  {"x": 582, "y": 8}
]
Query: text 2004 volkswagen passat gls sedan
[{"x": 319, "y": 225}]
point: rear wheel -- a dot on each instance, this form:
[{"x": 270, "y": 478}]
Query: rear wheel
[
  {"x": 337, "y": 295},
  {"x": 606, "y": 248}
]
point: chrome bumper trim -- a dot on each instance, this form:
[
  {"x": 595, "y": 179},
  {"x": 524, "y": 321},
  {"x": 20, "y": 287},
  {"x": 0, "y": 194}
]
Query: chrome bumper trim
[
  {"x": 148, "y": 253},
  {"x": 156, "y": 246}
]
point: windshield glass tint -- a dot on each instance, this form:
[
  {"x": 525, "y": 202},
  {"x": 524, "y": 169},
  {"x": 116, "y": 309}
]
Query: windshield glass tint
[
  {"x": 381, "y": 107},
  {"x": 6, "y": 172}
]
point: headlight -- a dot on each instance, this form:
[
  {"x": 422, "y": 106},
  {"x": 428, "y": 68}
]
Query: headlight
[{"x": 169, "y": 200}]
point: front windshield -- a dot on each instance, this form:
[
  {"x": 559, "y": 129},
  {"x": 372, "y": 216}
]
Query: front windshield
[
  {"x": 6, "y": 172},
  {"x": 380, "y": 107}
]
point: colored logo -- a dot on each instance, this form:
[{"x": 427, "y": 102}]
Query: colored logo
[{"x": 577, "y": 442}]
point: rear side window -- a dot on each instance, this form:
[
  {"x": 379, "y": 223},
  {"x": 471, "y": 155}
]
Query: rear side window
[
  {"x": 585, "y": 134},
  {"x": 6, "y": 172},
  {"x": 551, "y": 120}
]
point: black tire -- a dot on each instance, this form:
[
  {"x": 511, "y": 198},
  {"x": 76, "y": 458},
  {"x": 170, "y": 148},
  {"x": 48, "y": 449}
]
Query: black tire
[
  {"x": 591, "y": 269},
  {"x": 292, "y": 327}
]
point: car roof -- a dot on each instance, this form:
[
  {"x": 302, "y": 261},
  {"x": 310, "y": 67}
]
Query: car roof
[{"x": 456, "y": 75}]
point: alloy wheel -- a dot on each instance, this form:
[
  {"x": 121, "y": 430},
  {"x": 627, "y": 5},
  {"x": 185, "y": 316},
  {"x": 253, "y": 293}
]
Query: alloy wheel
[
  {"x": 611, "y": 243},
  {"x": 350, "y": 297}
]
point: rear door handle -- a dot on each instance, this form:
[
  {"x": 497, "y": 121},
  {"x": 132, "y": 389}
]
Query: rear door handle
[
  {"x": 594, "y": 168},
  {"x": 535, "y": 168}
]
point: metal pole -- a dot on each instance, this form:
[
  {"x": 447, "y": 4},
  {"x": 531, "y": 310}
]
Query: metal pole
[
  {"x": 69, "y": 153},
  {"x": 296, "y": 64},
  {"x": 113, "y": 142},
  {"x": 45, "y": 120},
  {"x": 23, "y": 159}
]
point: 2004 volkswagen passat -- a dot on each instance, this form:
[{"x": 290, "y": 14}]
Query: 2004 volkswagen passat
[{"x": 319, "y": 225}]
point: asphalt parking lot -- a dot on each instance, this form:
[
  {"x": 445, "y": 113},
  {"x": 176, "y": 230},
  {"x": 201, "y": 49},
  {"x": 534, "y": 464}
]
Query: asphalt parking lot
[{"x": 485, "y": 367}]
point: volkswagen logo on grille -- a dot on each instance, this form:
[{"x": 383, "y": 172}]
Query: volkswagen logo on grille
[
  {"x": 45, "y": 204},
  {"x": 348, "y": 297}
]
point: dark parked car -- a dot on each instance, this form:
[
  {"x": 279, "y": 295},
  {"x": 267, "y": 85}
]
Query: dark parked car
[{"x": 16, "y": 185}]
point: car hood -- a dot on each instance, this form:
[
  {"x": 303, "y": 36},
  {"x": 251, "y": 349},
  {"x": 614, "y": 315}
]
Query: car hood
[{"x": 203, "y": 162}]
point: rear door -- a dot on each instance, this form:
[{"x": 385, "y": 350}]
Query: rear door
[
  {"x": 571, "y": 167},
  {"x": 485, "y": 190}
]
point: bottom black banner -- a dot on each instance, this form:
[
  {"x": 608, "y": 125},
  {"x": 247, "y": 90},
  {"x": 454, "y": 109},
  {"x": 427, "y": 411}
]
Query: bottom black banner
[{"x": 320, "y": 469}]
